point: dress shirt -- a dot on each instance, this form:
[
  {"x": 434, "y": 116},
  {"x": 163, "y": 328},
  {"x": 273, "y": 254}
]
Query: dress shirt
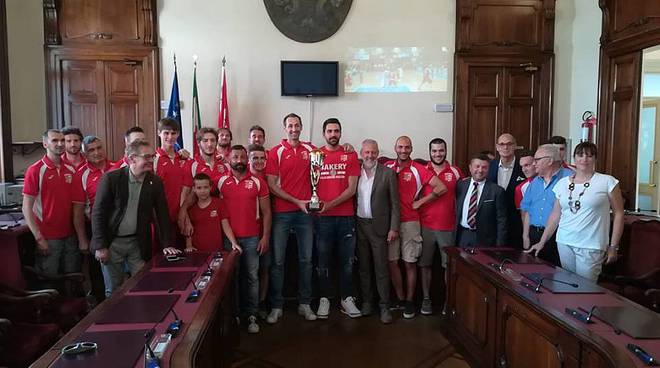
[
  {"x": 540, "y": 197},
  {"x": 504, "y": 173},
  {"x": 364, "y": 193},
  {"x": 466, "y": 201}
]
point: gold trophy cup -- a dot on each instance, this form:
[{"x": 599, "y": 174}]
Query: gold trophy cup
[{"x": 315, "y": 164}]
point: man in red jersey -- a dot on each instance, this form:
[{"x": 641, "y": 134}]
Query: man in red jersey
[
  {"x": 207, "y": 162},
  {"x": 257, "y": 135},
  {"x": 85, "y": 182},
  {"x": 170, "y": 167},
  {"x": 132, "y": 134},
  {"x": 335, "y": 224},
  {"x": 224, "y": 144},
  {"x": 209, "y": 218},
  {"x": 257, "y": 159},
  {"x": 437, "y": 218},
  {"x": 288, "y": 178},
  {"x": 248, "y": 198},
  {"x": 412, "y": 177},
  {"x": 47, "y": 208},
  {"x": 72, "y": 157}
]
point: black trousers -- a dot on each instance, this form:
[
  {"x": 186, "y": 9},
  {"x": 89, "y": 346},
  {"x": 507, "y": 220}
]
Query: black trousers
[{"x": 549, "y": 252}]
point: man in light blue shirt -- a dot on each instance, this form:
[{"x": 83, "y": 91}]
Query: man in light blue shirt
[{"x": 539, "y": 199}]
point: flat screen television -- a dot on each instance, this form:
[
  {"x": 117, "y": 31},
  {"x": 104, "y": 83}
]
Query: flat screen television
[{"x": 309, "y": 78}]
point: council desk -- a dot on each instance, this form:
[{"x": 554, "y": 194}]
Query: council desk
[
  {"x": 143, "y": 306},
  {"x": 501, "y": 318}
]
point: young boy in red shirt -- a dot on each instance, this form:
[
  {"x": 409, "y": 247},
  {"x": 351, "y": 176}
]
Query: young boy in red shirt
[{"x": 209, "y": 219}]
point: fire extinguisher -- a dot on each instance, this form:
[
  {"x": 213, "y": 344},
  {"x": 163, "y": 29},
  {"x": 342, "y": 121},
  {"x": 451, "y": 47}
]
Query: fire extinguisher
[{"x": 588, "y": 126}]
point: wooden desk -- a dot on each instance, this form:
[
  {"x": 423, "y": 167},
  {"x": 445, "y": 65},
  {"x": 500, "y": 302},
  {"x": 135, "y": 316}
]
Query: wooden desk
[
  {"x": 199, "y": 342},
  {"x": 502, "y": 324}
]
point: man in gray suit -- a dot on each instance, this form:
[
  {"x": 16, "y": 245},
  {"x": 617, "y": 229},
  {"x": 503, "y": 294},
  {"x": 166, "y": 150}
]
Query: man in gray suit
[{"x": 377, "y": 225}]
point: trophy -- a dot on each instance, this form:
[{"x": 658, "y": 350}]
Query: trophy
[{"x": 315, "y": 164}]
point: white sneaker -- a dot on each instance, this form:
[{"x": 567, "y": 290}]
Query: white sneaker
[
  {"x": 348, "y": 307},
  {"x": 305, "y": 311},
  {"x": 274, "y": 315},
  {"x": 253, "y": 327},
  {"x": 324, "y": 308}
]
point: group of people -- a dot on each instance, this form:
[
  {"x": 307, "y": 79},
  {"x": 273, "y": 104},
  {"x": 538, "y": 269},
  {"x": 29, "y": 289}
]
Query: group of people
[{"x": 373, "y": 211}]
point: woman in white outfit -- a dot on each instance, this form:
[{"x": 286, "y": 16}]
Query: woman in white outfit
[{"x": 582, "y": 212}]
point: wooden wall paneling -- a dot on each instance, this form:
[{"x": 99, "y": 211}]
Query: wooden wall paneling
[{"x": 629, "y": 20}]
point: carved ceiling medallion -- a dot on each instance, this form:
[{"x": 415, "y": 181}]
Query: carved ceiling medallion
[{"x": 308, "y": 20}]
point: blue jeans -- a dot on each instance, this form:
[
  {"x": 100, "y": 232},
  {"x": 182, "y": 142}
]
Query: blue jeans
[
  {"x": 301, "y": 223},
  {"x": 248, "y": 275},
  {"x": 331, "y": 232}
]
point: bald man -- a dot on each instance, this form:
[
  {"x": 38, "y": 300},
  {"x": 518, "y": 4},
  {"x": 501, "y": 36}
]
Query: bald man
[{"x": 506, "y": 172}]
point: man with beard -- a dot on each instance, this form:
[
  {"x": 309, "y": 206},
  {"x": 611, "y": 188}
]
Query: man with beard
[
  {"x": 85, "y": 183},
  {"x": 248, "y": 199},
  {"x": 224, "y": 144},
  {"x": 257, "y": 135},
  {"x": 72, "y": 156},
  {"x": 377, "y": 225},
  {"x": 437, "y": 218},
  {"x": 132, "y": 134},
  {"x": 412, "y": 177},
  {"x": 47, "y": 208},
  {"x": 288, "y": 178},
  {"x": 335, "y": 224},
  {"x": 127, "y": 200},
  {"x": 206, "y": 162}
]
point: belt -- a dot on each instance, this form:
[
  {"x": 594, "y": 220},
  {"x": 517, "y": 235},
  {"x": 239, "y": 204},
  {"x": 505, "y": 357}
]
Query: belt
[
  {"x": 126, "y": 236},
  {"x": 468, "y": 229},
  {"x": 537, "y": 228}
]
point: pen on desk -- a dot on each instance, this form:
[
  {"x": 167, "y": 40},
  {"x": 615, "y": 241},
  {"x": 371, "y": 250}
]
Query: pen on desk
[{"x": 641, "y": 354}]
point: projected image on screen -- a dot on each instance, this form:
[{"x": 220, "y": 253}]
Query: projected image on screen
[{"x": 396, "y": 69}]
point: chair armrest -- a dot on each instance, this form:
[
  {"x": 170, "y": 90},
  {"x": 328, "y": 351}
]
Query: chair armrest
[
  {"x": 642, "y": 281},
  {"x": 34, "y": 299},
  {"x": 74, "y": 276}
]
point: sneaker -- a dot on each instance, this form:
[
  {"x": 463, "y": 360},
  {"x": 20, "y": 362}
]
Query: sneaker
[
  {"x": 427, "y": 307},
  {"x": 348, "y": 307},
  {"x": 253, "y": 327},
  {"x": 305, "y": 311},
  {"x": 385, "y": 316},
  {"x": 324, "y": 308},
  {"x": 395, "y": 306},
  {"x": 409, "y": 310},
  {"x": 274, "y": 316},
  {"x": 367, "y": 309}
]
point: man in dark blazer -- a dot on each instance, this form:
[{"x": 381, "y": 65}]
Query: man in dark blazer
[
  {"x": 377, "y": 225},
  {"x": 507, "y": 173},
  {"x": 127, "y": 201},
  {"x": 480, "y": 209}
]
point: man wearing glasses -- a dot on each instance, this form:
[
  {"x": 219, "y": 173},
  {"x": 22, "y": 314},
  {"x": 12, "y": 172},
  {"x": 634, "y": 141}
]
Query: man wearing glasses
[
  {"x": 507, "y": 173},
  {"x": 539, "y": 199},
  {"x": 124, "y": 208}
]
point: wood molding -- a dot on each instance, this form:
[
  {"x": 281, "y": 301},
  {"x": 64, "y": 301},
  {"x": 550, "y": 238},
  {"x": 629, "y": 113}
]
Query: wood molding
[
  {"x": 5, "y": 106},
  {"x": 51, "y": 29}
]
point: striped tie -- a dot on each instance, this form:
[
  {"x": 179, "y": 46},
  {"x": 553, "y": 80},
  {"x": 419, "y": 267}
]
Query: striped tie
[{"x": 472, "y": 209}]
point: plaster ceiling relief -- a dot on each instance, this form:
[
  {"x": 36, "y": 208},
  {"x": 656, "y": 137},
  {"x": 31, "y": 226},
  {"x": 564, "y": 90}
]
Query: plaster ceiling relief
[{"x": 308, "y": 21}]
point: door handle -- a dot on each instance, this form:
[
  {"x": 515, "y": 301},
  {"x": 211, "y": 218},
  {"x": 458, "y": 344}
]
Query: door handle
[
  {"x": 652, "y": 164},
  {"x": 560, "y": 355}
]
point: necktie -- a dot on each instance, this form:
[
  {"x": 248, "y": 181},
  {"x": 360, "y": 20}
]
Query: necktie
[{"x": 472, "y": 209}]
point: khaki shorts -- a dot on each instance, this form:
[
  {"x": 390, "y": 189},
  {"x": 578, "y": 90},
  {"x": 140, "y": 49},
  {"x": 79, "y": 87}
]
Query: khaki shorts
[{"x": 408, "y": 246}]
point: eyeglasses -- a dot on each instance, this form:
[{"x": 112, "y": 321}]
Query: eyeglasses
[
  {"x": 537, "y": 159},
  {"x": 507, "y": 144},
  {"x": 146, "y": 156},
  {"x": 79, "y": 347}
]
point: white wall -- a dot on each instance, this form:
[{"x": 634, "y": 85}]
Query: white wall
[
  {"x": 243, "y": 32},
  {"x": 577, "y": 34}
]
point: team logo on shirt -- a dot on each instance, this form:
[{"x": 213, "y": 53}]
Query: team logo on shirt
[
  {"x": 407, "y": 176},
  {"x": 214, "y": 213},
  {"x": 344, "y": 157},
  {"x": 305, "y": 155},
  {"x": 68, "y": 178},
  {"x": 449, "y": 177},
  {"x": 249, "y": 184}
]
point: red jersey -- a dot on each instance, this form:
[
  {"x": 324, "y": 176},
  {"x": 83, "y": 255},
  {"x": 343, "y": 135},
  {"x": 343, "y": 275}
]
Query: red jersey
[
  {"x": 172, "y": 173},
  {"x": 70, "y": 165},
  {"x": 119, "y": 164},
  {"x": 242, "y": 196},
  {"x": 52, "y": 189},
  {"x": 440, "y": 214},
  {"x": 198, "y": 165},
  {"x": 337, "y": 167},
  {"x": 207, "y": 225},
  {"x": 412, "y": 178},
  {"x": 85, "y": 182},
  {"x": 291, "y": 165},
  {"x": 521, "y": 188},
  {"x": 222, "y": 157}
]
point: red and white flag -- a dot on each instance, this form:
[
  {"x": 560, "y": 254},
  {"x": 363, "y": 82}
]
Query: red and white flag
[{"x": 223, "y": 117}]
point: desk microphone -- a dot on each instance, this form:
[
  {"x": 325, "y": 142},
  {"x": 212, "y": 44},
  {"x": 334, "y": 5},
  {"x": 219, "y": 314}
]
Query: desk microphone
[
  {"x": 175, "y": 326},
  {"x": 209, "y": 270},
  {"x": 195, "y": 293},
  {"x": 500, "y": 266},
  {"x": 538, "y": 286},
  {"x": 591, "y": 313},
  {"x": 151, "y": 360}
]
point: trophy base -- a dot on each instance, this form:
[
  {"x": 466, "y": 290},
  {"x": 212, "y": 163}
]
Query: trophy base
[{"x": 314, "y": 206}]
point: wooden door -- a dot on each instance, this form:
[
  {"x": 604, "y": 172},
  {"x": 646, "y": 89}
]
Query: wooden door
[
  {"x": 83, "y": 95},
  {"x": 124, "y": 102},
  {"x": 502, "y": 95}
]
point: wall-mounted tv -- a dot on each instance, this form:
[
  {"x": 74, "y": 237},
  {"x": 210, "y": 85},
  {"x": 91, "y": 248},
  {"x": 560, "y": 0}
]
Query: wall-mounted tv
[{"x": 309, "y": 78}]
